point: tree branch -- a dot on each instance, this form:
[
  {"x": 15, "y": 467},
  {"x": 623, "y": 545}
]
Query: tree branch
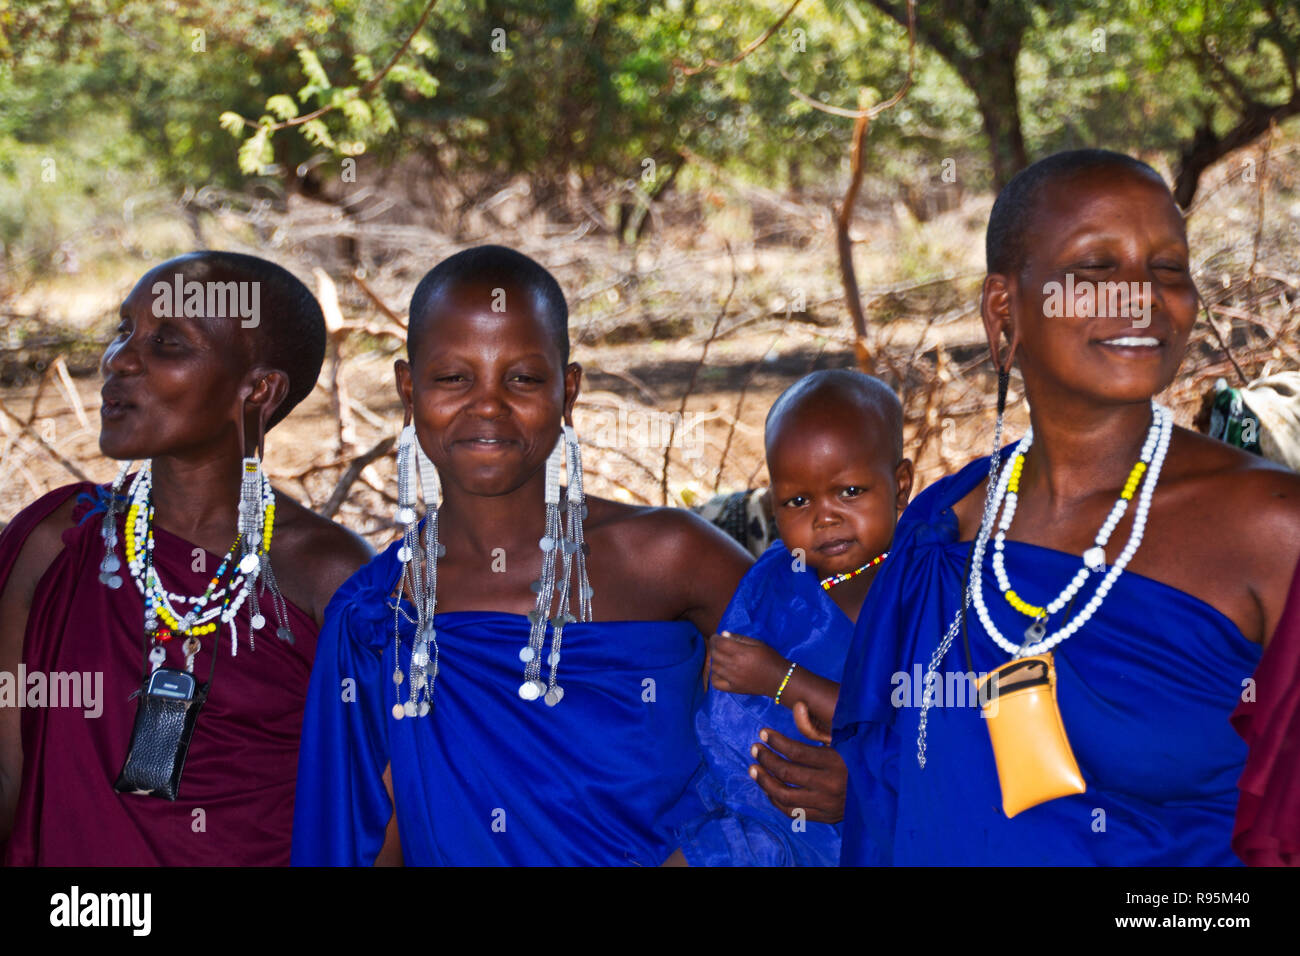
[
  {"x": 711, "y": 64},
  {"x": 365, "y": 90},
  {"x": 873, "y": 111}
]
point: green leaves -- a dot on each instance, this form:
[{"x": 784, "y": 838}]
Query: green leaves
[
  {"x": 317, "y": 81},
  {"x": 255, "y": 153},
  {"x": 363, "y": 68},
  {"x": 415, "y": 78},
  {"x": 318, "y": 134},
  {"x": 282, "y": 106},
  {"x": 343, "y": 118},
  {"x": 232, "y": 123}
]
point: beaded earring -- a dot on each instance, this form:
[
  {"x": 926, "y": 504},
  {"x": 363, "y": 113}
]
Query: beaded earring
[
  {"x": 418, "y": 578},
  {"x": 545, "y": 586},
  {"x": 256, "y": 525},
  {"x": 562, "y": 538},
  {"x": 112, "y": 564},
  {"x": 573, "y": 555}
]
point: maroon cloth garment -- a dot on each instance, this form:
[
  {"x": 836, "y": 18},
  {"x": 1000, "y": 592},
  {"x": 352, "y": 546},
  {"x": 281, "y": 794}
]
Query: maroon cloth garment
[
  {"x": 1267, "y": 830},
  {"x": 242, "y": 762}
]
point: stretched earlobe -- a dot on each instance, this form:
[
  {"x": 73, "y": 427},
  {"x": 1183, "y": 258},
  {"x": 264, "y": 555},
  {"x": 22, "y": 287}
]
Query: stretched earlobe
[
  {"x": 405, "y": 388},
  {"x": 241, "y": 428},
  {"x": 1013, "y": 343}
]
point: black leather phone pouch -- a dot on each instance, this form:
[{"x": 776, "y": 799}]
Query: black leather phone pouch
[{"x": 160, "y": 740}]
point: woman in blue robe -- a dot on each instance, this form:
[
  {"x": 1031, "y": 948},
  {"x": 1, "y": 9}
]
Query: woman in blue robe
[
  {"x": 483, "y": 772},
  {"x": 1145, "y": 697},
  {"x": 488, "y": 779},
  {"x": 1146, "y": 684}
]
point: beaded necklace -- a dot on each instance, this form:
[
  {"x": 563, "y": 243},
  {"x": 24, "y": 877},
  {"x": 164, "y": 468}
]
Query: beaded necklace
[
  {"x": 999, "y": 480},
  {"x": 1094, "y": 559},
  {"x": 1036, "y": 640},
  {"x": 843, "y": 576},
  {"x": 166, "y": 614}
]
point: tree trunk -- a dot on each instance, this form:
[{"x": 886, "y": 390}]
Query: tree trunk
[
  {"x": 1208, "y": 147},
  {"x": 995, "y": 30},
  {"x": 993, "y": 81}
]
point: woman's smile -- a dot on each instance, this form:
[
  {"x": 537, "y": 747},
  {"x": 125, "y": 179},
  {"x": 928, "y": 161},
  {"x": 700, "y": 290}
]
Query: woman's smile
[{"x": 1132, "y": 347}]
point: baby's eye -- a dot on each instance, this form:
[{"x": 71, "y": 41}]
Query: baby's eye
[
  {"x": 798, "y": 501},
  {"x": 450, "y": 378},
  {"x": 853, "y": 491}
]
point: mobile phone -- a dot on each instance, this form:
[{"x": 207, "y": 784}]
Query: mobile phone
[{"x": 165, "y": 682}]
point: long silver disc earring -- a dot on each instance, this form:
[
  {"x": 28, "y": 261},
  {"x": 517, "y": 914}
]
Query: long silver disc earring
[
  {"x": 409, "y": 580},
  {"x": 424, "y": 649},
  {"x": 929, "y": 691},
  {"x": 551, "y": 541},
  {"x": 575, "y": 563},
  {"x": 250, "y": 541},
  {"x": 112, "y": 564}
]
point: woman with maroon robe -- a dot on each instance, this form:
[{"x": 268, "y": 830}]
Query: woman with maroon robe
[
  {"x": 190, "y": 386},
  {"x": 1267, "y": 830}
]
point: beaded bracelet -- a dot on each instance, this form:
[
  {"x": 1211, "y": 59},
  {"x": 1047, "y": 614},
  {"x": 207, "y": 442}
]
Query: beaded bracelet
[{"x": 779, "y": 690}]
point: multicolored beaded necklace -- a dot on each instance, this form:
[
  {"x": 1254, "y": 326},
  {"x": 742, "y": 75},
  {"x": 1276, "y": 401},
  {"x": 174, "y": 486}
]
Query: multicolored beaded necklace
[
  {"x": 166, "y": 615},
  {"x": 843, "y": 576}
]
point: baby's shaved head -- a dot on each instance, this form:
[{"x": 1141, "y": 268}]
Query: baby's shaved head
[{"x": 840, "y": 394}]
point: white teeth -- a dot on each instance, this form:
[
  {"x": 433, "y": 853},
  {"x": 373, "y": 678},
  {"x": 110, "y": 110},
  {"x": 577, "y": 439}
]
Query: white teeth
[{"x": 1133, "y": 341}]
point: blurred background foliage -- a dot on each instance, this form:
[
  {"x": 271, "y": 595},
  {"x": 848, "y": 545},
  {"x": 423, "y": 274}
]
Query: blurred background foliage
[
  {"x": 605, "y": 102},
  {"x": 675, "y": 173}
]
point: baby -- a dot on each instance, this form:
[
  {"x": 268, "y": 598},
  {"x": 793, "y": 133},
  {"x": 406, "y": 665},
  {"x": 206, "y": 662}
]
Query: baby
[{"x": 834, "y": 443}]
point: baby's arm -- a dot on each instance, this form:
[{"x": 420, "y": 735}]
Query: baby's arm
[{"x": 742, "y": 665}]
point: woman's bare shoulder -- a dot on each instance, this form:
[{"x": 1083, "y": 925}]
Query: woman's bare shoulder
[
  {"x": 1247, "y": 498},
  {"x": 668, "y": 531},
  {"x": 324, "y": 554},
  {"x": 38, "y": 549}
]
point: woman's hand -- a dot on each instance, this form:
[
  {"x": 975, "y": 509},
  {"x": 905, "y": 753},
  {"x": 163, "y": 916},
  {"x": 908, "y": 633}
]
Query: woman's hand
[
  {"x": 797, "y": 776},
  {"x": 742, "y": 665}
]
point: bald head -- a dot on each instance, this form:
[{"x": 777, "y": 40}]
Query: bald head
[
  {"x": 286, "y": 333},
  {"x": 494, "y": 271},
  {"x": 843, "y": 398},
  {"x": 1007, "y": 241}
]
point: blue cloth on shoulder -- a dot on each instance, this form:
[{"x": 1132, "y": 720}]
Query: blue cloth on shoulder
[
  {"x": 782, "y": 604},
  {"x": 1145, "y": 689},
  {"x": 488, "y": 778}
]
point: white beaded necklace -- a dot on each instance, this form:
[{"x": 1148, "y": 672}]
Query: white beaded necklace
[
  {"x": 1036, "y": 641},
  {"x": 1094, "y": 559},
  {"x": 972, "y": 590}
]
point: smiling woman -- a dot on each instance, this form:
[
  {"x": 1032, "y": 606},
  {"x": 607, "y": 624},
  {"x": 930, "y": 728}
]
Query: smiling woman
[
  {"x": 431, "y": 734},
  {"x": 151, "y": 599},
  {"x": 1142, "y": 564}
]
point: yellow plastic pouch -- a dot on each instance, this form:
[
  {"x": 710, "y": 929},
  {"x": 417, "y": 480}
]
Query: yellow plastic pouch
[{"x": 1033, "y": 756}]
